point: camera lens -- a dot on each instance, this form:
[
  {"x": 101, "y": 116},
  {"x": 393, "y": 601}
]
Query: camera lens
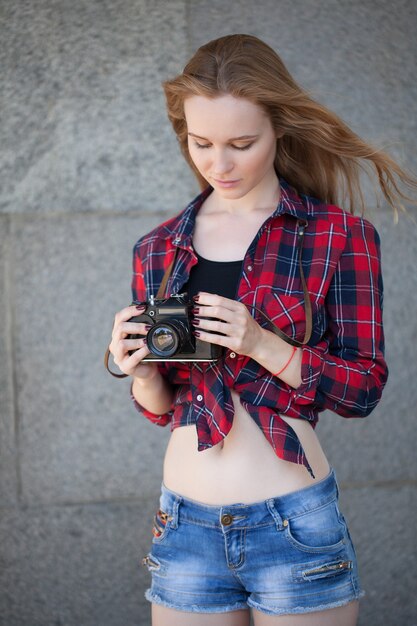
[{"x": 165, "y": 339}]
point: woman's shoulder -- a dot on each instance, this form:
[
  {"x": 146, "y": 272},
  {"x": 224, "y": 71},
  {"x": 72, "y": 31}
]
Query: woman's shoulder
[
  {"x": 320, "y": 214},
  {"x": 334, "y": 233},
  {"x": 320, "y": 210},
  {"x": 340, "y": 217},
  {"x": 331, "y": 219}
]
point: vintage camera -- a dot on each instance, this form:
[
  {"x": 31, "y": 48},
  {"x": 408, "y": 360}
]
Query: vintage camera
[{"x": 171, "y": 337}]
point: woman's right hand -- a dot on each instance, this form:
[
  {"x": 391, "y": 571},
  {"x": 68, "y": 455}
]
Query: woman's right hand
[{"x": 120, "y": 346}]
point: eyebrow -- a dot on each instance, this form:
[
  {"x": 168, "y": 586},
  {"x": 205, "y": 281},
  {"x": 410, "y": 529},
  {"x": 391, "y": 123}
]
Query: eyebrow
[{"x": 241, "y": 138}]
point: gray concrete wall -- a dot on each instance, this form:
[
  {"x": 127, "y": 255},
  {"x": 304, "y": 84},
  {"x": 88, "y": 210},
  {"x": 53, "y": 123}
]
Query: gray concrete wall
[{"x": 89, "y": 163}]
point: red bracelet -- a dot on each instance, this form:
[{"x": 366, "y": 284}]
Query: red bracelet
[{"x": 294, "y": 350}]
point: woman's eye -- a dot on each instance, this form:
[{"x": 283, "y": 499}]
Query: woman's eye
[
  {"x": 208, "y": 145},
  {"x": 243, "y": 147},
  {"x": 201, "y": 145}
]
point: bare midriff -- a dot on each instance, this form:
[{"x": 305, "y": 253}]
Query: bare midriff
[{"x": 243, "y": 467}]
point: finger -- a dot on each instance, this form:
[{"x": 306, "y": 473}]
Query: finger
[
  {"x": 121, "y": 349},
  {"x": 130, "y": 328},
  {"x": 132, "y": 344},
  {"x": 129, "y": 362},
  {"x": 220, "y": 340},
  {"x": 212, "y": 299},
  {"x": 215, "y": 311},
  {"x": 216, "y": 326},
  {"x": 134, "y": 359},
  {"x": 130, "y": 311}
]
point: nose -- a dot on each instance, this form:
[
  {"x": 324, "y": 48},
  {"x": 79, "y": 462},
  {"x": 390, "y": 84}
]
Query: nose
[{"x": 222, "y": 163}]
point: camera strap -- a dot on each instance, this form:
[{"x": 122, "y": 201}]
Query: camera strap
[
  {"x": 301, "y": 226},
  {"x": 165, "y": 278}
]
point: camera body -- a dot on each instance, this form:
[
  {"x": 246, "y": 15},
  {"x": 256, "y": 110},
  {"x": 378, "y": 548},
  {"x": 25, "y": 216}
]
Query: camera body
[{"x": 171, "y": 336}]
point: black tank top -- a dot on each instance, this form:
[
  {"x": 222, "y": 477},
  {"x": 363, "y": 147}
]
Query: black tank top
[{"x": 220, "y": 277}]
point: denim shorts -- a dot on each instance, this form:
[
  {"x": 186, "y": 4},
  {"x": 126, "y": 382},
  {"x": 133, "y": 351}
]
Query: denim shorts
[{"x": 289, "y": 554}]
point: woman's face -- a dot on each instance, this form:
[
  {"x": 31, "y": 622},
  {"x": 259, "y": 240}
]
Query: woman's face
[{"x": 232, "y": 144}]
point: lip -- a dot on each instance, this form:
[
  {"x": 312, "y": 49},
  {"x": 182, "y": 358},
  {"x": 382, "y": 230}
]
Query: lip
[{"x": 226, "y": 183}]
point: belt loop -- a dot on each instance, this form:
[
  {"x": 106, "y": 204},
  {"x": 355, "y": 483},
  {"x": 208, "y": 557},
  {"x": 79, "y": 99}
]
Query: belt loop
[
  {"x": 175, "y": 507},
  {"x": 277, "y": 517}
]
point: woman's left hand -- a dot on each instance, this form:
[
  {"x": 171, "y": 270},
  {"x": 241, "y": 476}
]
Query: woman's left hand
[{"x": 238, "y": 330}]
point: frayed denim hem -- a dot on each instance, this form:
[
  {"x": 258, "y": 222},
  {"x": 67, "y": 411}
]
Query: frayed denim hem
[
  {"x": 194, "y": 608},
  {"x": 304, "y": 609}
]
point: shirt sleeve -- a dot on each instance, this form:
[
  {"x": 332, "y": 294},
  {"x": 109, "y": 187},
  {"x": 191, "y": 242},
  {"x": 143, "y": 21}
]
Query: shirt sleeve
[
  {"x": 139, "y": 294},
  {"x": 346, "y": 371},
  {"x": 160, "y": 420}
]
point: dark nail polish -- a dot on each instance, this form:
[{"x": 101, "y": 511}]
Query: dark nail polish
[
  {"x": 195, "y": 322},
  {"x": 196, "y": 298},
  {"x": 196, "y": 310},
  {"x": 140, "y": 307},
  {"x": 148, "y": 327},
  {"x": 196, "y": 333}
]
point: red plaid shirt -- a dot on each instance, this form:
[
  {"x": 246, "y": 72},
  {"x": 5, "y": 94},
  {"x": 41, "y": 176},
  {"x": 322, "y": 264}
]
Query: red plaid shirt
[{"x": 343, "y": 367}]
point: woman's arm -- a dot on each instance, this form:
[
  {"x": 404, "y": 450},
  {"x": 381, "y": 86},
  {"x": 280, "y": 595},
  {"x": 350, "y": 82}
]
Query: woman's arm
[
  {"x": 151, "y": 392},
  {"x": 154, "y": 394},
  {"x": 279, "y": 358},
  {"x": 241, "y": 333},
  {"x": 346, "y": 371}
]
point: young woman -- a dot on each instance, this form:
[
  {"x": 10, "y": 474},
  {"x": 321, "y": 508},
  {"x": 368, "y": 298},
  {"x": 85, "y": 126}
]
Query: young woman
[{"x": 248, "y": 516}]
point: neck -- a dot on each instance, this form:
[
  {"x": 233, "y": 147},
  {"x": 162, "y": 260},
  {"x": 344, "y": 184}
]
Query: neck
[{"x": 264, "y": 198}]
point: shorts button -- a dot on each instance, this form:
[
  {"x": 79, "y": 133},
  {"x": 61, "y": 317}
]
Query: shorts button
[
  {"x": 232, "y": 355},
  {"x": 199, "y": 397},
  {"x": 227, "y": 519},
  {"x": 250, "y": 268}
]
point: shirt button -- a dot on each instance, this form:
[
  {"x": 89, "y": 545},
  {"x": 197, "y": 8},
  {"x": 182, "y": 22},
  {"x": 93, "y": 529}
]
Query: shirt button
[
  {"x": 232, "y": 355},
  {"x": 226, "y": 519},
  {"x": 250, "y": 268},
  {"x": 199, "y": 397}
]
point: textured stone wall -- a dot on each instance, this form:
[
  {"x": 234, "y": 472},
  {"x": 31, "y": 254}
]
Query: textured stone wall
[{"x": 88, "y": 163}]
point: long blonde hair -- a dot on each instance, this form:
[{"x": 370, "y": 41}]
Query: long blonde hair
[{"x": 318, "y": 153}]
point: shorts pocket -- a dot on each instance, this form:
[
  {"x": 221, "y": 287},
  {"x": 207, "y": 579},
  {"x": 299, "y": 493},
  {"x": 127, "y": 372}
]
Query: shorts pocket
[
  {"x": 320, "y": 530},
  {"x": 323, "y": 569},
  {"x": 161, "y": 526}
]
